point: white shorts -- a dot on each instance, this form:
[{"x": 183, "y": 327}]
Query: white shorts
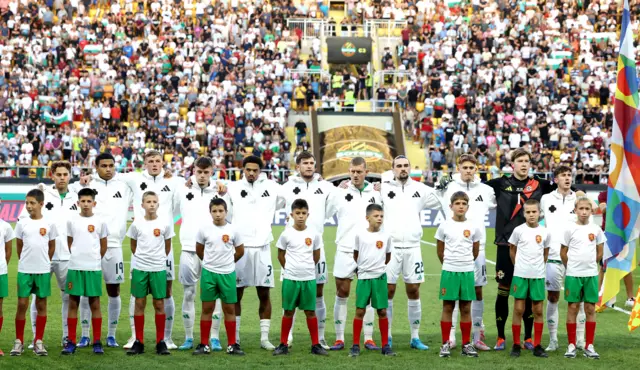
[
  {"x": 169, "y": 266},
  {"x": 407, "y": 261},
  {"x": 555, "y": 276},
  {"x": 321, "y": 268},
  {"x": 190, "y": 268},
  {"x": 344, "y": 266},
  {"x": 255, "y": 268},
  {"x": 59, "y": 269},
  {"x": 480, "y": 269},
  {"x": 113, "y": 266}
]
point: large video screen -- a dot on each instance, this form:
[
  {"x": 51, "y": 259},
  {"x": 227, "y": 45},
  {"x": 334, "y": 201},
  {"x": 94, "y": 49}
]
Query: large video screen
[{"x": 345, "y": 50}]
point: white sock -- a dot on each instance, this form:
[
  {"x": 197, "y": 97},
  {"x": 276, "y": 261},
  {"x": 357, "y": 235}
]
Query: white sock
[
  {"x": 321, "y": 314},
  {"x": 65, "y": 314},
  {"x": 115, "y": 305},
  {"x": 189, "y": 310},
  {"x": 132, "y": 312},
  {"x": 265, "y": 324},
  {"x": 340, "y": 317},
  {"x": 85, "y": 316},
  {"x": 293, "y": 323},
  {"x": 216, "y": 319},
  {"x": 169, "y": 311},
  {"x": 390, "y": 314},
  {"x": 454, "y": 322},
  {"x": 414, "y": 313},
  {"x": 237, "y": 329},
  {"x": 477, "y": 310},
  {"x": 367, "y": 322},
  {"x": 552, "y": 320},
  {"x": 580, "y": 320},
  {"x": 34, "y": 313}
]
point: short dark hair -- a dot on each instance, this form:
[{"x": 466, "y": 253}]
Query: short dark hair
[
  {"x": 520, "y": 152},
  {"x": 253, "y": 159},
  {"x": 467, "y": 158},
  {"x": 37, "y": 194},
  {"x": 104, "y": 157},
  {"x": 532, "y": 202},
  {"x": 87, "y": 192},
  {"x": 373, "y": 207},
  {"x": 299, "y": 204},
  {"x": 393, "y": 163},
  {"x": 358, "y": 161},
  {"x": 304, "y": 155},
  {"x": 560, "y": 170},
  {"x": 60, "y": 164},
  {"x": 204, "y": 162},
  {"x": 218, "y": 202},
  {"x": 459, "y": 195}
]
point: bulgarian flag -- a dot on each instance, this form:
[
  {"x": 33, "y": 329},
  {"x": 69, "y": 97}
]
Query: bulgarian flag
[
  {"x": 454, "y": 3},
  {"x": 92, "y": 49},
  {"x": 57, "y": 120},
  {"x": 561, "y": 55},
  {"x": 623, "y": 195},
  {"x": 554, "y": 63}
]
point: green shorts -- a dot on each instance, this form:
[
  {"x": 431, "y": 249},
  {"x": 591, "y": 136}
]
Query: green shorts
[
  {"x": 372, "y": 291},
  {"x": 581, "y": 289},
  {"x": 84, "y": 283},
  {"x": 145, "y": 282},
  {"x": 214, "y": 286},
  {"x": 299, "y": 294},
  {"x": 38, "y": 284},
  {"x": 457, "y": 286},
  {"x": 521, "y": 288},
  {"x": 4, "y": 285}
]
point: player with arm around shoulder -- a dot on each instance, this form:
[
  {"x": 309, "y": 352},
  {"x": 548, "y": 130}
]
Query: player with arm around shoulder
[{"x": 581, "y": 251}]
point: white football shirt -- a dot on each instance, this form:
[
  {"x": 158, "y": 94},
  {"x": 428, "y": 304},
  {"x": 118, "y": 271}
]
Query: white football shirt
[
  {"x": 299, "y": 258},
  {"x": 220, "y": 244},
  {"x": 150, "y": 235},
  {"x": 458, "y": 238},
  {"x": 6, "y": 235},
  {"x": 531, "y": 243},
  {"x": 85, "y": 250},
  {"x": 582, "y": 241},
  {"x": 372, "y": 250},
  {"x": 35, "y": 236}
]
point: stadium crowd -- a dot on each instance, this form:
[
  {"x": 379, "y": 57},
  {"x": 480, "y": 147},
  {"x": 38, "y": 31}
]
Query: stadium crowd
[{"x": 219, "y": 79}]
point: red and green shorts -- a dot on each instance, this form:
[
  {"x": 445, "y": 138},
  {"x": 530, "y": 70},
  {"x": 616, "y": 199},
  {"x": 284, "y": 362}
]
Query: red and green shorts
[
  {"x": 457, "y": 286},
  {"x": 84, "y": 283}
]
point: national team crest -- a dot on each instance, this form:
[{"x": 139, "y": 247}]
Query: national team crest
[
  {"x": 43, "y": 231},
  {"x": 379, "y": 244},
  {"x": 538, "y": 239},
  {"x": 70, "y": 285},
  {"x": 91, "y": 228},
  {"x": 467, "y": 233},
  {"x": 308, "y": 242},
  {"x": 592, "y": 237},
  {"x": 225, "y": 238},
  {"x": 156, "y": 232},
  {"x": 443, "y": 291}
]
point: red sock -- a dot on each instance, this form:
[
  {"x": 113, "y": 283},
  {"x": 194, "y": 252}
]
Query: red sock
[
  {"x": 465, "y": 328},
  {"x": 445, "y": 329},
  {"x": 537, "y": 333},
  {"x": 138, "y": 321},
  {"x": 41, "y": 322},
  {"x": 312, "y": 324},
  {"x": 1, "y": 321},
  {"x": 72, "y": 324},
  {"x": 357, "y": 330},
  {"x": 230, "y": 326},
  {"x": 205, "y": 329},
  {"x": 20, "y": 329},
  {"x": 160, "y": 320},
  {"x": 384, "y": 330},
  {"x": 96, "y": 324},
  {"x": 515, "y": 329},
  {"x": 590, "y": 332},
  {"x": 571, "y": 332},
  {"x": 285, "y": 329}
]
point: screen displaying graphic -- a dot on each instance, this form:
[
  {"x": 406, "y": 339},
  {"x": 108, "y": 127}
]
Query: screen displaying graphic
[{"x": 354, "y": 50}]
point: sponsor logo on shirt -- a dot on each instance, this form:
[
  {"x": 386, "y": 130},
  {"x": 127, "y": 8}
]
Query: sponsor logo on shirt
[
  {"x": 308, "y": 242},
  {"x": 538, "y": 239},
  {"x": 225, "y": 238},
  {"x": 43, "y": 231},
  {"x": 91, "y": 228},
  {"x": 467, "y": 233},
  {"x": 592, "y": 237},
  {"x": 156, "y": 232}
]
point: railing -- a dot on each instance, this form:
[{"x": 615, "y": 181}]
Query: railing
[
  {"x": 384, "y": 27},
  {"x": 297, "y": 74},
  {"x": 360, "y": 106},
  {"x": 311, "y": 28}
]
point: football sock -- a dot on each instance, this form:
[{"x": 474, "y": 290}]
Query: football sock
[
  {"x": 293, "y": 324},
  {"x": 132, "y": 319},
  {"x": 72, "y": 323},
  {"x": 312, "y": 325},
  {"x": 33, "y": 312},
  {"x": 205, "y": 328},
  {"x": 384, "y": 331},
  {"x": 169, "y": 310},
  {"x": 445, "y": 330},
  {"x": 230, "y": 327},
  {"x": 537, "y": 333},
  {"x": 454, "y": 321},
  {"x": 189, "y": 310},
  {"x": 96, "y": 323},
  {"x": 321, "y": 314},
  {"x": 368, "y": 323},
  {"x": 571, "y": 333},
  {"x": 1, "y": 322},
  {"x": 41, "y": 322},
  {"x": 237, "y": 329},
  {"x": 477, "y": 311},
  {"x": 285, "y": 328},
  {"x": 414, "y": 312},
  {"x": 591, "y": 332},
  {"x": 85, "y": 316},
  {"x": 581, "y": 319},
  {"x": 265, "y": 324},
  {"x": 502, "y": 311},
  {"x": 357, "y": 330},
  {"x": 390, "y": 315},
  {"x": 139, "y": 327},
  {"x": 216, "y": 318},
  {"x": 340, "y": 317},
  {"x": 552, "y": 320},
  {"x": 527, "y": 318},
  {"x": 20, "y": 329},
  {"x": 65, "y": 313},
  {"x": 161, "y": 331},
  {"x": 465, "y": 328},
  {"x": 515, "y": 329},
  {"x": 113, "y": 315}
]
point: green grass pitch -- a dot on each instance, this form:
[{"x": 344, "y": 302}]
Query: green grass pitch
[{"x": 616, "y": 346}]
